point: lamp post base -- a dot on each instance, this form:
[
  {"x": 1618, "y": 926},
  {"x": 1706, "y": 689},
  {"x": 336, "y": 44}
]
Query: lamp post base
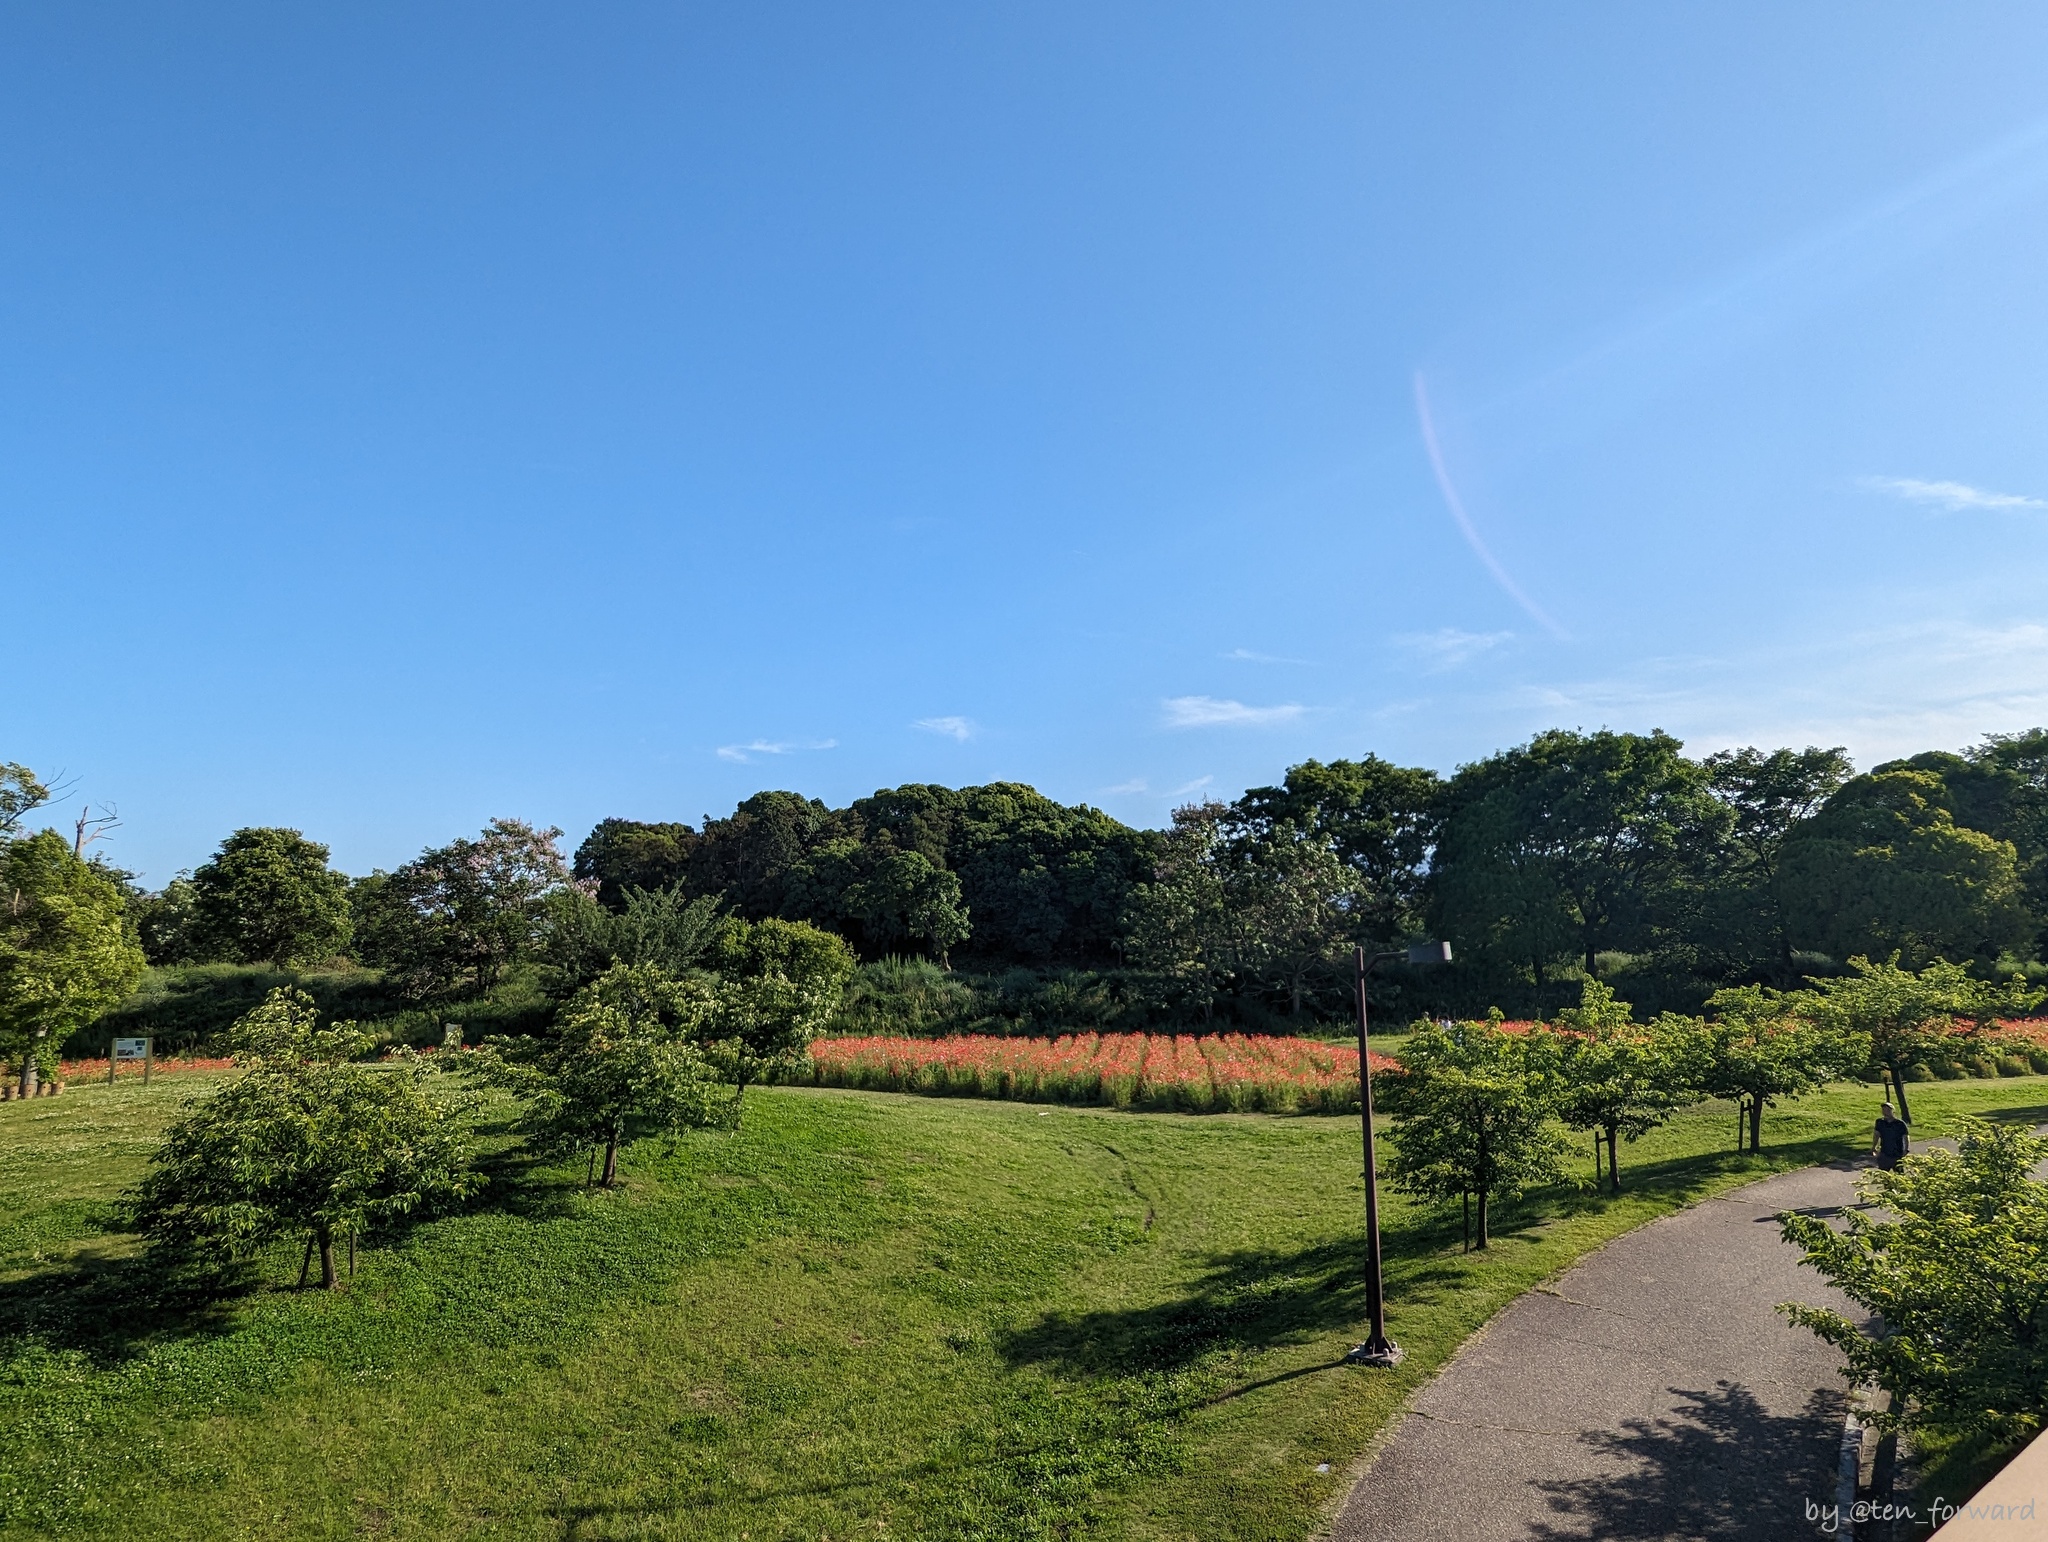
[{"x": 1384, "y": 1353}]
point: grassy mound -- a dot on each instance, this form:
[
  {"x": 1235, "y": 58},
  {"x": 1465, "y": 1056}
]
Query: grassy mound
[{"x": 864, "y": 1315}]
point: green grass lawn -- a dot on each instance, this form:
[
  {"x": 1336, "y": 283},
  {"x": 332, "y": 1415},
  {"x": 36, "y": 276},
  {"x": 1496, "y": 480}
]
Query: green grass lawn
[{"x": 865, "y": 1316}]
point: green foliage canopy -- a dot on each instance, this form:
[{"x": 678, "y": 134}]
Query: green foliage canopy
[
  {"x": 1572, "y": 845},
  {"x": 268, "y": 897},
  {"x": 1884, "y": 866},
  {"x": 1957, "y": 1272},
  {"x": 1761, "y": 1046},
  {"x": 457, "y": 916},
  {"x": 623, "y": 1062},
  {"x": 307, "y": 1140},
  {"x": 779, "y": 984},
  {"x": 1619, "y": 1078},
  {"x": 67, "y": 950},
  {"x": 1899, "y": 1016},
  {"x": 1475, "y": 1115}
]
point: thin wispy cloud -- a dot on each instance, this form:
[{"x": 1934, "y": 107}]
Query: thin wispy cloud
[
  {"x": 744, "y": 754},
  {"x": 1952, "y": 496},
  {"x": 1247, "y": 656},
  {"x": 1463, "y": 521},
  {"x": 1214, "y": 712},
  {"x": 1448, "y": 647},
  {"x": 1187, "y": 787},
  {"x": 1124, "y": 789},
  {"x": 961, "y": 728}
]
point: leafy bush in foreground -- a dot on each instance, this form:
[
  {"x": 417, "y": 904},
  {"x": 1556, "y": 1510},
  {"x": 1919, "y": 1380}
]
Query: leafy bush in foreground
[{"x": 1960, "y": 1279}]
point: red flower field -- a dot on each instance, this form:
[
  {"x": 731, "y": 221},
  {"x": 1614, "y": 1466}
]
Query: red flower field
[
  {"x": 96, "y": 1070},
  {"x": 1220, "y": 1073}
]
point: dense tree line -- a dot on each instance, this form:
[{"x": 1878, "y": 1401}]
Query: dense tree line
[
  {"x": 1001, "y": 873},
  {"x": 1575, "y": 855},
  {"x": 1580, "y": 855}
]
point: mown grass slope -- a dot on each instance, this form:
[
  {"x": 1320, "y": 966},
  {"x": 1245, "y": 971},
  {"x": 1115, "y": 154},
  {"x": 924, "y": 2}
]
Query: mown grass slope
[{"x": 863, "y": 1316}]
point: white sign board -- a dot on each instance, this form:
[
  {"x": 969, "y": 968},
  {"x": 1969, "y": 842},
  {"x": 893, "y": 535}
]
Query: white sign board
[{"x": 131, "y": 1049}]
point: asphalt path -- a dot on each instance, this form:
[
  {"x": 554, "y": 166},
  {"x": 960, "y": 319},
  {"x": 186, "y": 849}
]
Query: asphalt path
[{"x": 1651, "y": 1391}]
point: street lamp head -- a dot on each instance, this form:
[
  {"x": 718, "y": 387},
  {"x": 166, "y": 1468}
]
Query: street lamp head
[{"x": 1424, "y": 954}]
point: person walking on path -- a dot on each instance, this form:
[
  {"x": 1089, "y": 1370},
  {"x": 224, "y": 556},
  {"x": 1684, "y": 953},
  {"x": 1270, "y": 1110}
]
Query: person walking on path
[{"x": 1888, "y": 1140}]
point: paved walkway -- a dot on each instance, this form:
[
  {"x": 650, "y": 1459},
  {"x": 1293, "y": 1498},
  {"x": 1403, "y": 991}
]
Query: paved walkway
[{"x": 1650, "y": 1392}]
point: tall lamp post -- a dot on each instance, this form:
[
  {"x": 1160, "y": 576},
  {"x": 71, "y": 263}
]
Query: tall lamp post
[{"x": 1379, "y": 1349}]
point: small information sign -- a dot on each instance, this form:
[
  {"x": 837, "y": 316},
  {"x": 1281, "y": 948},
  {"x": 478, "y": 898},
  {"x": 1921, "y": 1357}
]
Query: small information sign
[{"x": 143, "y": 1049}]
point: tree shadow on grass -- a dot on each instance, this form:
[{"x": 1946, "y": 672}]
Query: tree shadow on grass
[
  {"x": 2032, "y": 1115},
  {"x": 1248, "y": 1300},
  {"x": 111, "y": 1302},
  {"x": 1721, "y": 1466},
  {"x": 110, "y": 1307}
]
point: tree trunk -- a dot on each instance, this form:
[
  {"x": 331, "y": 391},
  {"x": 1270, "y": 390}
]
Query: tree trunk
[
  {"x": 1899, "y": 1091},
  {"x": 1295, "y": 1010},
  {"x": 306, "y": 1263},
  {"x": 590, "y": 1168},
  {"x": 31, "y": 1073},
  {"x": 328, "y": 1279},
  {"x": 1485, "y": 1177},
  {"x": 1756, "y": 1125},
  {"x": 1613, "y": 1160},
  {"x": 611, "y": 1161},
  {"x": 739, "y": 1103},
  {"x": 351, "y": 1255},
  {"x": 1465, "y": 1205},
  {"x": 1592, "y": 963}
]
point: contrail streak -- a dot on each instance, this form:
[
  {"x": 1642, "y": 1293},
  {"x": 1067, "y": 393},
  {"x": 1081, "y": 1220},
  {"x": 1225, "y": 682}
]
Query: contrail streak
[{"x": 1456, "y": 505}]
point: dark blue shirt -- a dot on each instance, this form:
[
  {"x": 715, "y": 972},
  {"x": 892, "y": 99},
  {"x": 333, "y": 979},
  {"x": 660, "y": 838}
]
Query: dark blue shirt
[{"x": 1891, "y": 1139}]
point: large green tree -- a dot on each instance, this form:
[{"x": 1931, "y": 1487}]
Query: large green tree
[
  {"x": 307, "y": 1140},
  {"x": 623, "y": 854},
  {"x": 1377, "y": 817},
  {"x": 1296, "y": 906},
  {"x": 1181, "y": 925},
  {"x": 1885, "y": 867},
  {"x": 1740, "y": 926},
  {"x": 456, "y": 917},
  {"x": 1573, "y": 845},
  {"x": 268, "y": 897},
  {"x": 67, "y": 949}
]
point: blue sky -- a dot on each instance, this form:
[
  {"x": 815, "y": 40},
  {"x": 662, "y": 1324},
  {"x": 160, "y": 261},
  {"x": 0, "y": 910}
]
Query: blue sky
[{"x": 411, "y": 415}]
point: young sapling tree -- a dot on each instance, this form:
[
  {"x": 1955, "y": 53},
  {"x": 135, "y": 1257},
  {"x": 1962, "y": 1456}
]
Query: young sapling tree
[
  {"x": 623, "y": 1062},
  {"x": 1474, "y": 1109},
  {"x": 306, "y": 1140},
  {"x": 1904, "y": 1016},
  {"x": 1758, "y": 1049},
  {"x": 779, "y": 984},
  {"x": 1619, "y": 1078}
]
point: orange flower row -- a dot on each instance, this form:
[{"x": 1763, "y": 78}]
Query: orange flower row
[{"x": 1216, "y": 1073}]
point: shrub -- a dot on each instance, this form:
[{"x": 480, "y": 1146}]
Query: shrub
[{"x": 1959, "y": 1279}]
